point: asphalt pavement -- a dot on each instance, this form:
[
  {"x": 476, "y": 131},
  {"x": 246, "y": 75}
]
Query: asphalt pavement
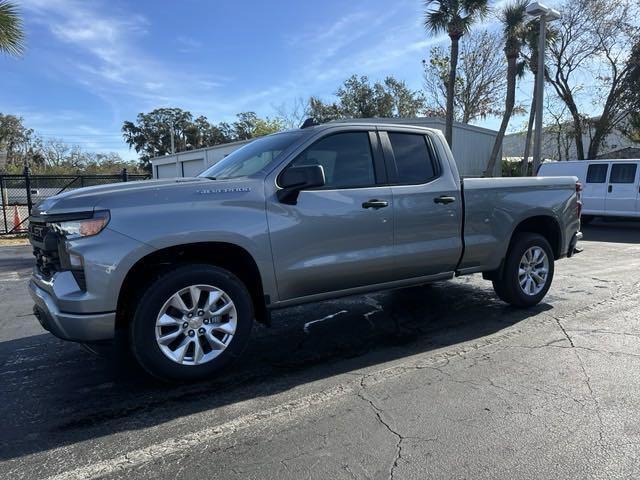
[{"x": 439, "y": 381}]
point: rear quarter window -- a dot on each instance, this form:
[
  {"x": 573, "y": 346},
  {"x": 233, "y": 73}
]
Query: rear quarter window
[{"x": 414, "y": 161}]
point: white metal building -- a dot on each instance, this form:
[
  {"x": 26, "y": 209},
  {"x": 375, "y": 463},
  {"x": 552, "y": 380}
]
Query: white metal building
[
  {"x": 471, "y": 148},
  {"x": 192, "y": 162}
]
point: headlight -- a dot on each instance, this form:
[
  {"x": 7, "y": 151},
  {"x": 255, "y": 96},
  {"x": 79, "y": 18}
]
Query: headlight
[{"x": 91, "y": 224}]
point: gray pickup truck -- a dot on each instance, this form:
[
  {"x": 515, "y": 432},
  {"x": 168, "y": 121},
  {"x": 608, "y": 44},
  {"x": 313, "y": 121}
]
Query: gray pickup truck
[{"x": 181, "y": 268}]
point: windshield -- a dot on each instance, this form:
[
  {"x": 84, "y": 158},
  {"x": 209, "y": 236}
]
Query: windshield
[{"x": 251, "y": 158}]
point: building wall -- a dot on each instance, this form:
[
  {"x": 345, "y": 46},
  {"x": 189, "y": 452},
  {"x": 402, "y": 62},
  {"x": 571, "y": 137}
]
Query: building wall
[
  {"x": 471, "y": 148},
  {"x": 192, "y": 162},
  {"x": 563, "y": 148}
]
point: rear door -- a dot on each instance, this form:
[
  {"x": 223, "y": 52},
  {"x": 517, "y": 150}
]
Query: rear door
[
  {"x": 339, "y": 236},
  {"x": 427, "y": 206},
  {"x": 595, "y": 188},
  {"x": 622, "y": 192}
]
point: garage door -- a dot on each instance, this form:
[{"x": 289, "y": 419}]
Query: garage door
[
  {"x": 191, "y": 168},
  {"x": 166, "y": 171}
]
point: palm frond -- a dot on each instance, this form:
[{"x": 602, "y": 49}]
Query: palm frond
[
  {"x": 513, "y": 16},
  {"x": 476, "y": 8},
  {"x": 11, "y": 30},
  {"x": 437, "y": 15}
]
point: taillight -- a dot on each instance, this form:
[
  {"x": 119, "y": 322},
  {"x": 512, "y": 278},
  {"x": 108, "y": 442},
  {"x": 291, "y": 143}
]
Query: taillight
[{"x": 579, "y": 199}]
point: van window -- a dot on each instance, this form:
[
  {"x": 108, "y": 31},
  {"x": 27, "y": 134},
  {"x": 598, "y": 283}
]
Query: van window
[
  {"x": 623, "y": 173},
  {"x": 597, "y": 173}
]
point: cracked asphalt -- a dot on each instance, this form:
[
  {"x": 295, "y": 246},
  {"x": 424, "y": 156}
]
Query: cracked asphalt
[{"x": 439, "y": 381}]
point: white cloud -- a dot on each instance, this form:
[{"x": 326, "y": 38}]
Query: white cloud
[{"x": 106, "y": 59}]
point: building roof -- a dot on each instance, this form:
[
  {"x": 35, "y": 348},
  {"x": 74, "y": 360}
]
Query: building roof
[{"x": 622, "y": 153}]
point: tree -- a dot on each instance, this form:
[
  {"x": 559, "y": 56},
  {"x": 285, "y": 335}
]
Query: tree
[
  {"x": 151, "y": 133},
  {"x": 358, "y": 98},
  {"x": 481, "y": 78},
  {"x": 11, "y": 30},
  {"x": 15, "y": 138},
  {"x": 249, "y": 125},
  {"x": 596, "y": 40},
  {"x": 293, "y": 114},
  {"x": 513, "y": 26},
  {"x": 454, "y": 17}
]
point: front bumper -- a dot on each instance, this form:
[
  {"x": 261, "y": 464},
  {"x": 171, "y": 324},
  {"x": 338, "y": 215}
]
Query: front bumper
[{"x": 70, "y": 326}]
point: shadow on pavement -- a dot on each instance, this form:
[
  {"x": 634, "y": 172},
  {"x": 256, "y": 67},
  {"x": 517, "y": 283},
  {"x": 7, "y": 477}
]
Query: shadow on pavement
[
  {"x": 612, "y": 230},
  {"x": 55, "y": 393}
]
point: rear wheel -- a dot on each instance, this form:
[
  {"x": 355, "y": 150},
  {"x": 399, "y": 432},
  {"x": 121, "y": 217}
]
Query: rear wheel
[
  {"x": 191, "y": 322},
  {"x": 528, "y": 271}
]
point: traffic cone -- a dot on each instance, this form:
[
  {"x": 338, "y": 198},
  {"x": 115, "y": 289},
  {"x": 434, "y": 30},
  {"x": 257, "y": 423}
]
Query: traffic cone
[{"x": 16, "y": 219}]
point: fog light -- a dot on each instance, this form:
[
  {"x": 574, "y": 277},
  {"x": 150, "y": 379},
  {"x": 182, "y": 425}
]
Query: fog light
[{"x": 75, "y": 260}]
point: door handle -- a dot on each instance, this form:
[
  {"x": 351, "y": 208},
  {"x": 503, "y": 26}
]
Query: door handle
[
  {"x": 375, "y": 204},
  {"x": 610, "y": 189},
  {"x": 444, "y": 199}
]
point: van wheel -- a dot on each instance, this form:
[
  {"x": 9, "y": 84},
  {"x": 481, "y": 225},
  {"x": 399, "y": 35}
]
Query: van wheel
[
  {"x": 528, "y": 271},
  {"x": 191, "y": 322},
  {"x": 586, "y": 219}
]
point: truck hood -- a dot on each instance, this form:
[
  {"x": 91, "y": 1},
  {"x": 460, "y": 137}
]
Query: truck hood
[{"x": 130, "y": 194}]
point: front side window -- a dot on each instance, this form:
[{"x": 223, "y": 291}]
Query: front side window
[
  {"x": 345, "y": 157},
  {"x": 623, "y": 173},
  {"x": 597, "y": 173},
  {"x": 413, "y": 158}
]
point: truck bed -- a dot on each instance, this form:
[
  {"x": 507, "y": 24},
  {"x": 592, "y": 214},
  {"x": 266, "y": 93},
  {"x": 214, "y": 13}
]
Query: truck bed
[{"x": 494, "y": 207}]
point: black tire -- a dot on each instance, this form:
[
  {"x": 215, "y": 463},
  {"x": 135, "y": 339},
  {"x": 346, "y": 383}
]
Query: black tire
[
  {"x": 507, "y": 287},
  {"x": 143, "y": 326},
  {"x": 586, "y": 219}
]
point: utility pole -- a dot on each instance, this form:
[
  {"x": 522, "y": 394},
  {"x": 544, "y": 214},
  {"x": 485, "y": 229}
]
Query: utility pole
[
  {"x": 173, "y": 151},
  {"x": 545, "y": 14}
]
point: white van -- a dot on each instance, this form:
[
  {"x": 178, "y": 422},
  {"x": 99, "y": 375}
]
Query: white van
[{"x": 611, "y": 188}]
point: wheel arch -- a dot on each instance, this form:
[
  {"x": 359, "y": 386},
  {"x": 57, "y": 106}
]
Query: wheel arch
[
  {"x": 545, "y": 225},
  {"x": 221, "y": 254}
]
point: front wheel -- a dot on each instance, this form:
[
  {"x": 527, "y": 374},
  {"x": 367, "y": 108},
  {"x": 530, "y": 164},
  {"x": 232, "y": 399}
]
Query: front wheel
[
  {"x": 191, "y": 322},
  {"x": 528, "y": 271}
]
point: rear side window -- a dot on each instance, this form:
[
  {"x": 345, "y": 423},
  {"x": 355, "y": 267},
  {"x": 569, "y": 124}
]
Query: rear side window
[
  {"x": 345, "y": 157},
  {"x": 413, "y": 158},
  {"x": 597, "y": 173},
  {"x": 623, "y": 173}
]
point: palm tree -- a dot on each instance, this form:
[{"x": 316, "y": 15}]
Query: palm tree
[
  {"x": 11, "y": 34},
  {"x": 513, "y": 25},
  {"x": 454, "y": 17}
]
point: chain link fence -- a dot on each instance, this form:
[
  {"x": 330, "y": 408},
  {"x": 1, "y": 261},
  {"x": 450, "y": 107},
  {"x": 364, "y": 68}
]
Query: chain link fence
[{"x": 19, "y": 193}]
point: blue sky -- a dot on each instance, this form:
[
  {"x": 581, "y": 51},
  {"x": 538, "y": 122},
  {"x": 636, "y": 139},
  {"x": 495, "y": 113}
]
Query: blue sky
[{"x": 90, "y": 65}]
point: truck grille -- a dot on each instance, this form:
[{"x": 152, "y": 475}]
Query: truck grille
[
  {"x": 45, "y": 249},
  {"x": 37, "y": 231}
]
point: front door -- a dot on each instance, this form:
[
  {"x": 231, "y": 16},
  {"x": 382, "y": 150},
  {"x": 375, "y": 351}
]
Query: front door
[
  {"x": 339, "y": 236},
  {"x": 427, "y": 207},
  {"x": 623, "y": 189}
]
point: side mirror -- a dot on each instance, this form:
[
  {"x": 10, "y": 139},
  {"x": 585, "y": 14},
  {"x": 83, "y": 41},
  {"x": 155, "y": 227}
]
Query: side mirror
[{"x": 295, "y": 179}]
